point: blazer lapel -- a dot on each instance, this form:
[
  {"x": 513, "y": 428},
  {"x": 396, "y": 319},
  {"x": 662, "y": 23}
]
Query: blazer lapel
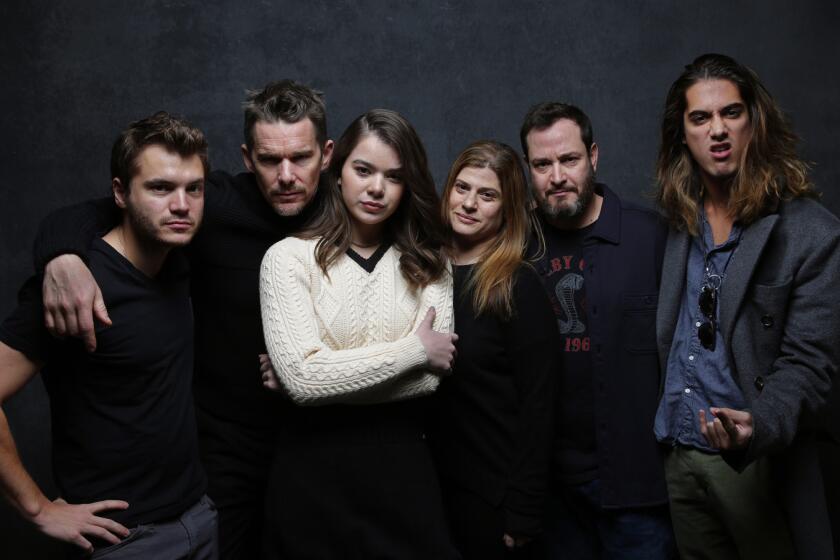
[
  {"x": 740, "y": 271},
  {"x": 671, "y": 289}
]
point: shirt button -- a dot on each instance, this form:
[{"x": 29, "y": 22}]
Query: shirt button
[
  {"x": 767, "y": 321},
  {"x": 697, "y": 324},
  {"x": 691, "y": 358},
  {"x": 687, "y": 391},
  {"x": 759, "y": 383}
]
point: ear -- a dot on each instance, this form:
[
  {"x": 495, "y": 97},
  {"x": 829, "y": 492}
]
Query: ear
[
  {"x": 120, "y": 192},
  {"x": 326, "y": 154},
  {"x": 246, "y": 158},
  {"x": 593, "y": 156}
]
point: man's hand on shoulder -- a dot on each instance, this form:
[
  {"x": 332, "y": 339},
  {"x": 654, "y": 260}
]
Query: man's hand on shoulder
[
  {"x": 729, "y": 429},
  {"x": 71, "y": 523},
  {"x": 72, "y": 299}
]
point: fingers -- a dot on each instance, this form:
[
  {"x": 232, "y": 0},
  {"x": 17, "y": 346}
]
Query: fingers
[
  {"x": 429, "y": 319},
  {"x": 96, "y": 507},
  {"x": 102, "y": 533},
  {"x": 508, "y": 540},
  {"x": 82, "y": 543},
  {"x": 99, "y": 309},
  {"x": 714, "y": 432}
]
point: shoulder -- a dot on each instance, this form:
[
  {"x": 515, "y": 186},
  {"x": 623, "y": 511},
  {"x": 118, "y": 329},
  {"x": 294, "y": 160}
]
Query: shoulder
[
  {"x": 807, "y": 215},
  {"x": 291, "y": 248}
]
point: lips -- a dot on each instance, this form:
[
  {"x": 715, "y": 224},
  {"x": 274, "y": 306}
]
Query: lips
[
  {"x": 463, "y": 218},
  {"x": 179, "y": 225},
  {"x": 721, "y": 151},
  {"x": 372, "y": 206}
]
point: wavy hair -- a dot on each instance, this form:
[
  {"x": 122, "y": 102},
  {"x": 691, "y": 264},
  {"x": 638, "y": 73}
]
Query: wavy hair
[
  {"x": 770, "y": 169},
  {"x": 414, "y": 229},
  {"x": 491, "y": 281}
]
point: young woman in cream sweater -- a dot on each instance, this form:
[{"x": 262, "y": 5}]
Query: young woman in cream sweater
[{"x": 357, "y": 315}]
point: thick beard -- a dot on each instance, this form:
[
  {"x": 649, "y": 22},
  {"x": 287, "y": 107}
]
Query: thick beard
[{"x": 568, "y": 212}]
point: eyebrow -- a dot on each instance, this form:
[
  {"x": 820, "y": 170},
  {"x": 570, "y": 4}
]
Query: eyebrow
[
  {"x": 737, "y": 104},
  {"x": 360, "y": 161},
  {"x": 158, "y": 183}
]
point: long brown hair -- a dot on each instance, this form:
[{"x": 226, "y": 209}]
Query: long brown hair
[
  {"x": 491, "y": 281},
  {"x": 770, "y": 169},
  {"x": 414, "y": 229}
]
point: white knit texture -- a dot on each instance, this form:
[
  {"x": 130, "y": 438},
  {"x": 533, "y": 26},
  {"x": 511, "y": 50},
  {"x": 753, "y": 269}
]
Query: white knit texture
[{"x": 350, "y": 337}]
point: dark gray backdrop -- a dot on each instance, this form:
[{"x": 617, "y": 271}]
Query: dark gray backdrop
[{"x": 74, "y": 73}]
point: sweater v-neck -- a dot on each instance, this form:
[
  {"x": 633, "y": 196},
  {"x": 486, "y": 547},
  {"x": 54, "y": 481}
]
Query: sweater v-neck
[{"x": 369, "y": 264}]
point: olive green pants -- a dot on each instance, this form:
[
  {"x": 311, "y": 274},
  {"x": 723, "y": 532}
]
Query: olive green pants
[{"x": 720, "y": 514}]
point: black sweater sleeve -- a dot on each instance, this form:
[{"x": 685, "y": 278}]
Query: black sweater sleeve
[
  {"x": 534, "y": 347},
  {"x": 71, "y": 229}
]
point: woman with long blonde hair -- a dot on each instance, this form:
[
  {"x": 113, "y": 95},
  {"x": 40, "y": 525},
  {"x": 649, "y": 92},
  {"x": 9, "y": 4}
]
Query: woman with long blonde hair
[{"x": 491, "y": 427}]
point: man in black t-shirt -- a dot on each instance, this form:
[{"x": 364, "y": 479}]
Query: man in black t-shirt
[
  {"x": 285, "y": 150},
  {"x": 125, "y": 449},
  {"x": 601, "y": 268}
]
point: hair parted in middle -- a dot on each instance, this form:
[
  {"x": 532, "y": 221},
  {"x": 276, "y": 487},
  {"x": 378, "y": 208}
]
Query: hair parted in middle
[
  {"x": 770, "y": 169},
  {"x": 491, "y": 281},
  {"x": 414, "y": 229}
]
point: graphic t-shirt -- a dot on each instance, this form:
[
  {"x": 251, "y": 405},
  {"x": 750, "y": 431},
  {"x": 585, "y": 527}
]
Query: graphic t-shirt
[{"x": 562, "y": 269}]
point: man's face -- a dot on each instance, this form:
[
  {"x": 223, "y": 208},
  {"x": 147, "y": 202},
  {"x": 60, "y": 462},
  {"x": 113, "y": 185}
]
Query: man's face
[
  {"x": 165, "y": 201},
  {"x": 717, "y": 128},
  {"x": 287, "y": 163},
  {"x": 562, "y": 170}
]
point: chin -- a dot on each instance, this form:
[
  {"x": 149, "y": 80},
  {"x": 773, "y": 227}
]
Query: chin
[{"x": 289, "y": 210}]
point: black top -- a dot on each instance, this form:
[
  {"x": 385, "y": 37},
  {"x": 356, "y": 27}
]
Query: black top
[
  {"x": 225, "y": 257},
  {"x": 575, "y": 447},
  {"x": 491, "y": 429},
  {"x": 123, "y": 422}
]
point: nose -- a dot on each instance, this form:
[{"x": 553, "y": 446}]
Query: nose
[
  {"x": 284, "y": 173},
  {"x": 376, "y": 186},
  {"x": 717, "y": 127},
  {"x": 178, "y": 202},
  {"x": 558, "y": 177},
  {"x": 469, "y": 201}
]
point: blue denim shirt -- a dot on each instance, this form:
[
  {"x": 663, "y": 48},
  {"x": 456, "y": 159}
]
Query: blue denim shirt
[{"x": 697, "y": 378}]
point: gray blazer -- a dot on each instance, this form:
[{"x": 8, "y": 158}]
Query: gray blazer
[{"x": 780, "y": 321}]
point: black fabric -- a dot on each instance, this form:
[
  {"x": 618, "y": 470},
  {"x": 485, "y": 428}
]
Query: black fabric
[
  {"x": 369, "y": 264},
  {"x": 624, "y": 254},
  {"x": 575, "y": 447},
  {"x": 123, "y": 423},
  {"x": 491, "y": 423},
  {"x": 355, "y": 482}
]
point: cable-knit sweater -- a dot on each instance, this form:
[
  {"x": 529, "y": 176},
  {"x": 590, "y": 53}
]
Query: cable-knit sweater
[{"x": 347, "y": 337}]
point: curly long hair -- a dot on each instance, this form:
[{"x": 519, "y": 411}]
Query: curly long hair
[
  {"x": 414, "y": 229},
  {"x": 770, "y": 169},
  {"x": 491, "y": 281}
]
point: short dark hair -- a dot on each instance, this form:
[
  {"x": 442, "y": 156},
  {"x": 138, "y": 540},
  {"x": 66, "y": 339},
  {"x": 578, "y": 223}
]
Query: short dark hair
[
  {"x": 543, "y": 115},
  {"x": 287, "y": 101},
  {"x": 170, "y": 131}
]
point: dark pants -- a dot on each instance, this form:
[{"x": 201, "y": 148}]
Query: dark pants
[
  {"x": 478, "y": 528},
  {"x": 579, "y": 528},
  {"x": 237, "y": 460},
  {"x": 192, "y": 536}
]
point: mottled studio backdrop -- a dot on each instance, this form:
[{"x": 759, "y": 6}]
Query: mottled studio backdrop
[{"x": 74, "y": 73}]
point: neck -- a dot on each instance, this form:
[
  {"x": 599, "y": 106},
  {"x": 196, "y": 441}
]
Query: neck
[
  {"x": 469, "y": 252},
  {"x": 586, "y": 218},
  {"x": 146, "y": 257},
  {"x": 716, "y": 207},
  {"x": 366, "y": 236}
]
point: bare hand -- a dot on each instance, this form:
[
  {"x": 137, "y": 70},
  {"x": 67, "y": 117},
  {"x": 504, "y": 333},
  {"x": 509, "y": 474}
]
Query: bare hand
[
  {"x": 440, "y": 347},
  {"x": 72, "y": 299},
  {"x": 269, "y": 376},
  {"x": 730, "y": 429},
  {"x": 512, "y": 542},
  {"x": 70, "y": 523}
]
